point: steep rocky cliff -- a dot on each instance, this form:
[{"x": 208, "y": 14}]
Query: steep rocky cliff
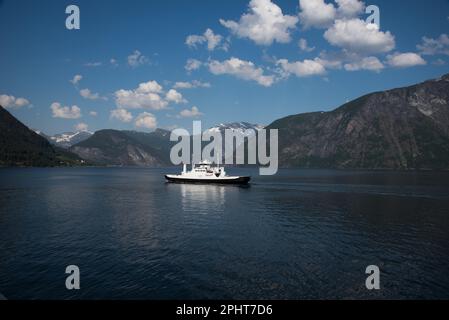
[{"x": 405, "y": 128}]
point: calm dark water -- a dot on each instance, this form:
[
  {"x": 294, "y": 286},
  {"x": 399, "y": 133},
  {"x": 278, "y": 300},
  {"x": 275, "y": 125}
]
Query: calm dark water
[{"x": 303, "y": 234}]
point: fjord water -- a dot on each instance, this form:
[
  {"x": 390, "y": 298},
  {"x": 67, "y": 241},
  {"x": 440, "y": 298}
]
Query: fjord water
[{"x": 303, "y": 234}]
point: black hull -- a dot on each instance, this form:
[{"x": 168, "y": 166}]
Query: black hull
[{"x": 236, "y": 181}]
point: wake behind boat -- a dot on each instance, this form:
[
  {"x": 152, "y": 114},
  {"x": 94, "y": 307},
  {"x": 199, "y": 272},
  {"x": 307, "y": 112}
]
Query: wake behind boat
[{"x": 204, "y": 172}]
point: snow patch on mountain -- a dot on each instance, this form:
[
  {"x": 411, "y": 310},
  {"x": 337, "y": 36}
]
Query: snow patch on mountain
[
  {"x": 244, "y": 128},
  {"x": 67, "y": 139}
]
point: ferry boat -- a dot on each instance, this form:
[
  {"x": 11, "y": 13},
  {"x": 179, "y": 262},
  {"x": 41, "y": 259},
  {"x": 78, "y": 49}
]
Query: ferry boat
[{"x": 204, "y": 172}]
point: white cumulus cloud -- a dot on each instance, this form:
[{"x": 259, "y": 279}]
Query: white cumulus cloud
[
  {"x": 316, "y": 13},
  {"x": 146, "y": 96},
  {"x": 264, "y": 23},
  {"x": 146, "y": 120},
  {"x": 65, "y": 112},
  {"x": 438, "y": 46},
  {"x": 304, "y": 46},
  {"x": 193, "y": 64},
  {"x": 87, "y": 94},
  {"x": 77, "y": 78},
  {"x": 304, "y": 68},
  {"x": 355, "y": 35},
  {"x": 209, "y": 37},
  {"x": 137, "y": 59},
  {"x": 245, "y": 70},
  {"x": 192, "y": 113},
  {"x": 174, "y": 96},
  {"x": 349, "y": 8},
  {"x": 8, "y": 101},
  {"x": 191, "y": 85},
  {"x": 81, "y": 127},
  {"x": 135, "y": 100},
  {"x": 405, "y": 60},
  {"x": 320, "y": 14},
  {"x": 368, "y": 63},
  {"x": 121, "y": 115},
  {"x": 149, "y": 87}
]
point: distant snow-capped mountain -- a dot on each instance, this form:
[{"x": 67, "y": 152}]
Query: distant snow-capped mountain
[
  {"x": 67, "y": 139},
  {"x": 240, "y": 127}
]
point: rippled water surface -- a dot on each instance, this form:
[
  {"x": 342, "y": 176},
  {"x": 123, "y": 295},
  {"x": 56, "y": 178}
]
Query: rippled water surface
[{"x": 303, "y": 234}]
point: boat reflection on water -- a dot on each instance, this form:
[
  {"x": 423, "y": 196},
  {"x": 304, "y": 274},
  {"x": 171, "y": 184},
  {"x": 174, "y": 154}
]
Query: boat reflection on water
[
  {"x": 207, "y": 194},
  {"x": 203, "y": 199}
]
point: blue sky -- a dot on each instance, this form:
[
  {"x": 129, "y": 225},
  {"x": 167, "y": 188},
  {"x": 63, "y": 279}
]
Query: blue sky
[{"x": 251, "y": 66}]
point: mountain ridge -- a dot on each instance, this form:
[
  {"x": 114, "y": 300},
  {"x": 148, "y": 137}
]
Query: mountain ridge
[
  {"x": 125, "y": 148},
  {"x": 401, "y": 128},
  {"x": 21, "y": 146}
]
